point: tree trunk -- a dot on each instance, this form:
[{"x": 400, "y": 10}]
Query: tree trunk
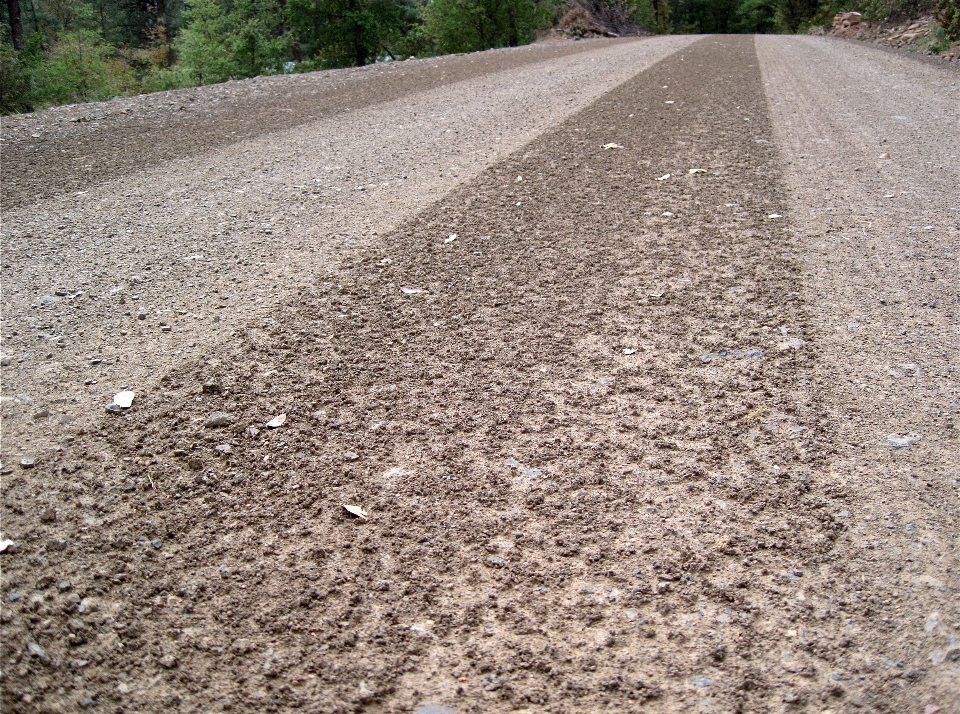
[{"x": 16, "y": 23}]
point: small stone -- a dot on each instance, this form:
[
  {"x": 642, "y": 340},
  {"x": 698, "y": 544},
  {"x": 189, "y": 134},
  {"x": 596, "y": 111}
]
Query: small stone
[
  {"x": 218, "y": 419},
  {"x": 55, "y": 545},
  {"x": 252, "y": 430},
  {"x": 496, "y": 561},
  {"x": 224, "y": 448},
  {"x": 113, "y": 408},
  {"x": 37, "y": 651},
  {"x": 211, "y": 387},
  {"x": 123, "y": 688},
  {"x": 28, "y": 462},
  {"x": 63, "y": 586},
  {"x": 129, "y": 485},
  {"x": 350, "y": 456},
  {"x": 165, "y": 328},
  {"x": 433, "y": 709},
  {"x": 48, "y": 516},
  {"x": 168, "y": 661},
  {"x": 156, "y": 543},
  {"x": 13, "y": 596},
  {"x": 42, "y": 414},
  {"x": 898, "y": 441}
]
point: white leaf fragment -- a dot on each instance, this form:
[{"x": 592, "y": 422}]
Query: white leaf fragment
[
  {"x": 449, "y": 239},
  {"x": 629, "y": 350},
  {"x": 4, "y": 544},
  {"x": 696, "y": 171},
  {"x": 277, "y": 421},
  {"x": 124, "y": 399},
  {"x": 774, "y": 215},
  {"x": 410, "y": 291},
  {"x": 611, "y": 145},
  {"x": 355, "y": 511},
  {"x": 664, "y": 177}
]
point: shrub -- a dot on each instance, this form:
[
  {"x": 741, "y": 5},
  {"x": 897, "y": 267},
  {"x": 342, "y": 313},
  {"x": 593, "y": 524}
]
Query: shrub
[{"x": 948, "y": 15}]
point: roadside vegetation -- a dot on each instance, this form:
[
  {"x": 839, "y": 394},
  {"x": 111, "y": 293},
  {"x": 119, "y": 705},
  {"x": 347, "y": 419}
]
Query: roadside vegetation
[{"x": 63, "y": 51}]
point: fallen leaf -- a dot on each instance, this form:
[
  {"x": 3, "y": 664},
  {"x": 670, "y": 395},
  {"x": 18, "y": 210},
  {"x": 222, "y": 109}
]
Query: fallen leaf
[
  {"x": 664, "y": 177},
  {"x": 452, "y": 237},
  {"x": 611, "y": 145},
  {"x": 697, "y": 171},
  {"x": 277, "y": 421},
  {"x": 629, "y": 350},
  {"x": 774, "y": 215},
  {"x": 356, "y": 511},
  {"x": 124, "y": 399},
  {"x": 410, "y": 291}
]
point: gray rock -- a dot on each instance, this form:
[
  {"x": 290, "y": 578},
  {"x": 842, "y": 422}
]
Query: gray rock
[
  {"x": 218, "y": 419},
  {"x": 28, "y": 462},
  {"x": 433, "y": 709},
  {"x": 156, "y": 543},
  {"x": 37, "y": 651},
  {"x": 496, "y": 561},
  {"x": 168, "y": 661},
  {"x": 350, "y": 456},
  {"x": 113, "y": 408},
  {"x": 902, "y": 442},
  {"x": 211, "y": 387}
]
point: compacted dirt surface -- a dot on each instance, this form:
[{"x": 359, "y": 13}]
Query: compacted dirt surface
[{"x": 637, "y": 362}]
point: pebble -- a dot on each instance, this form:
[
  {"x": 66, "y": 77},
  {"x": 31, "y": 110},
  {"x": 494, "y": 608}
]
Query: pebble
[
  {"x": 168, "y": 661},
  {"x": 218, "y": 419},
  {"x": 433, "y": 709},
  {"x": 28, "y": 462},
  {"x": 113, "y": 408},
  {"x": 37, "y": 651},
  {"x": 496, "y": 561},
  {"x": 211, "y": 387},
  {"x": 224, "y": 448},
  {"x": 42, "y": 414},
  {"x": 897, "y": 441},
  {"x": 48, "y": 516},
  {"x": 156, "y": 543},
  {"x": 350, "y": 456}
]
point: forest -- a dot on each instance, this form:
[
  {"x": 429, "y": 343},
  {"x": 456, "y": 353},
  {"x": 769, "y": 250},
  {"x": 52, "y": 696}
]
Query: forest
[{"x": 63, "y": 51}]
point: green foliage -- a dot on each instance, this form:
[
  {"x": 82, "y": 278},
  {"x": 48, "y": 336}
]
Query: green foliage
[
  {"x": 15, "y": 95},
  {"x": 341, "y": 33},
  {"x": 218, "y": 43},
  {"x": 948, "y": 15},
  {"x": 756, "y": 16},
  {"x": 471, "y": 25}
]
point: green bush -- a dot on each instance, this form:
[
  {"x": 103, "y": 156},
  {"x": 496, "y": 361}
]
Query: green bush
[
  {"x": 15, "y": 95},
  {"x": 948, "y": 15}
]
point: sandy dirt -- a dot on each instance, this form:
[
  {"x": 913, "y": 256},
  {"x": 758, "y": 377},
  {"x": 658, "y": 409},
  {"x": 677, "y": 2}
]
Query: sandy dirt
[{"x": 638, "y": 358}]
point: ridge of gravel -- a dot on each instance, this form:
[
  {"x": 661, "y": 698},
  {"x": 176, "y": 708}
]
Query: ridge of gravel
[
  {"x": 574, "y": 398},
  {"x": 107, "y": 289},
  {"x": 871, "y": 155},
  {"x": 104, "y": 140}
]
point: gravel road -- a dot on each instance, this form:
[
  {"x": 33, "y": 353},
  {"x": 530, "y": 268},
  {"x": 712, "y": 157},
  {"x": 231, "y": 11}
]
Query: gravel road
[{"x": 639, "y": 356}]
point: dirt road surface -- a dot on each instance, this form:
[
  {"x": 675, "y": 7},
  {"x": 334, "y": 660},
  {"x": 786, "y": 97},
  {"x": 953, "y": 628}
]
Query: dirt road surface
[{"x": 640, "y": 358}]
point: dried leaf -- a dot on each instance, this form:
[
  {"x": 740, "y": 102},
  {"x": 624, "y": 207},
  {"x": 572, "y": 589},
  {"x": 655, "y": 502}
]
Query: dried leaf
[
  {"x": 124, "y": 399},
  {"x": 277, "y": 421},
  {"x": 664, "y": 177},
  {"x": 356, "y": 511},
  {"x": 611, "y": 145},
  {"x": 452, "y": 237},
  {"x": 629, "y": 350},
  {"x": 774, "y": 215},
  {"x": 410, "y": 291},
  {"x": 696, "y": 171}
]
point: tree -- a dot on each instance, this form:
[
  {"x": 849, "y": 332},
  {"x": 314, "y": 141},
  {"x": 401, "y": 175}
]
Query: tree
[
  {"x": 341, "y": 33},
  {"x": 16, "y": 24}
]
